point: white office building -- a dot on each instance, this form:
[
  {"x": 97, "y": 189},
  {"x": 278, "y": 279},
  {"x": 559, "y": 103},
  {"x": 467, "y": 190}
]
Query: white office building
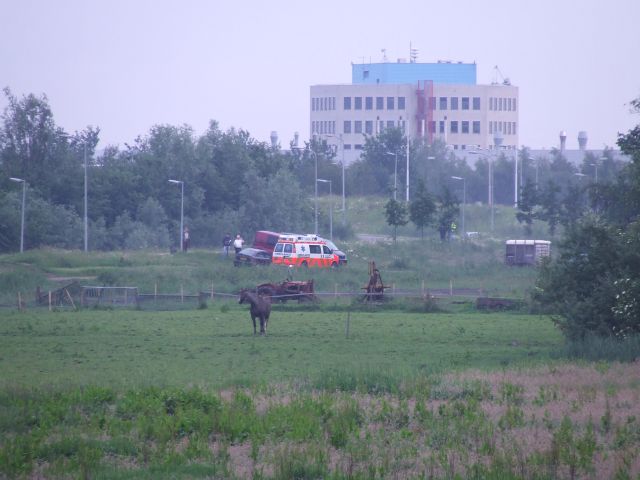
[{"x": 427, "y": 100}]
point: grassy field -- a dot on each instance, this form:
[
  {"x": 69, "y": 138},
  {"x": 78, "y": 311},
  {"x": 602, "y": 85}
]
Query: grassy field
[
  {"x": 193, "y": 394},
  {"x": 216, "y": 346},
  {"x": 410, "y": 264}
]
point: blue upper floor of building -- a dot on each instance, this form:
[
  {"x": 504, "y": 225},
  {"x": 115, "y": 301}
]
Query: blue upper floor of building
[{"x": 392, "y": 73}]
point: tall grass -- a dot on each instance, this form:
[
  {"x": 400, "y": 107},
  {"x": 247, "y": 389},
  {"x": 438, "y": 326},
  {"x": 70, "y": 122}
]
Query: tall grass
[{"x": 594, "y": 348}]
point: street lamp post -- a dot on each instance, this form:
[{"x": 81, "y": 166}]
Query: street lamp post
[
  {"x": 24, "y": 196},
  {"x": 86, "y": 218},
  {"x": 395, "y": 175},
  {"x": 315, "y": 194},
  {"x": 181, "y": 183},
  {"x": 464, "y": 201},
  {"x": 344, "y": 205},
  {"x": 322, "y": 180}
]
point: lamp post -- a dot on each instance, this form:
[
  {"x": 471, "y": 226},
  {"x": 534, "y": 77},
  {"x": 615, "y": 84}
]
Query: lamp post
[
  {"x": 315, "y": 194},
  {"x": 344, "y": 205},
  {"x": 24, "y": 196},
  {"x": 86, "y": 219},
  {"x": 322, "y": 180},
  {"x": 531, "y": 159},
  {"x": 395, "y": 175},
  {"x": 181, "y": 183},
  {"x": 464, "y": 201}
]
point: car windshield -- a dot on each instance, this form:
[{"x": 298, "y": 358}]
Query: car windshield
[{"x": 331, "y": 245}]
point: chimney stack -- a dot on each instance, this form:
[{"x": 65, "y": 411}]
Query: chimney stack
[
  {"x": 563, "y": 141},
  {"x": 274, "y": 139},
  {"x": 582, "y": 140}
]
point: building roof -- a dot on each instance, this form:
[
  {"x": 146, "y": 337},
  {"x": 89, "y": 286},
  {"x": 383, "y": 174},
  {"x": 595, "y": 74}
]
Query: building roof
[{"x": 402, "y": 72}]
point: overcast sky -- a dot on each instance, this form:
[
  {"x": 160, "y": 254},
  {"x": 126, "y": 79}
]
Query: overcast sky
[{"x": 125, "y": 65}]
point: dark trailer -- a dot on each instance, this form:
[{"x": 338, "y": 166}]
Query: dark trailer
[{"x": 526, "y": 252}]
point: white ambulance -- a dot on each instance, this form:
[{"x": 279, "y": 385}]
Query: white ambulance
[{"x": 304, "y": 251}]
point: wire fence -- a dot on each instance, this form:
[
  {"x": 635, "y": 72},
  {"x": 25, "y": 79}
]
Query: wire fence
[{"x": 74, "y": 297}]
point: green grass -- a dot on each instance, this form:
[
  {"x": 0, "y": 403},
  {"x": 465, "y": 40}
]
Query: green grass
[
  {"x": 408, "y": 265},
  {"x": 217, "y": 347}
]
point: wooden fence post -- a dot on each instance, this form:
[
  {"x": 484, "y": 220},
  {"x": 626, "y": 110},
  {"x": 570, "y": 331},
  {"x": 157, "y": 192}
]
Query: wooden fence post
[
  {"x": 155, "y": 291},
  {"x": 451, "y": 288},
  {"x": 19, "y": 301},
  {"x": 212, "y": 290},
  {"x": 181, "y": 293},
  {"x": 49, "y": 300}
]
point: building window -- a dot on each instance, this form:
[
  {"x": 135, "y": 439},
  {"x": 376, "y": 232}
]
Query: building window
[
  {"x": 347, "y": 103},
  {"x": 379, "y": 103},
  {"x": 454, "y": 103},
  {"x": 490, "y": 127},
  {"x": 465, "y": 126},
  {"x": 400, "y": 103},
  {"x": 441, "y": 130},
  {"x": 454, "y": 126},
  {"x": 347, "y": 146},
  {"x": 514, "y": 125},
  {"x": 432, "y": 127},
  {"x": 357, "y": 146},
  {"x": 346, "y": 128},
  {"x": 390, "y": 124},
  {"x": 500, "y": 104},
  {"x": 368, "y": 103},
  {"x": 465, "y": 103},
  {"x": 443, "y": 103},
  {"x": 381, "y": 127},
  {"x": 476, "y": 103},
  {"x": 368, "y": 127},
  {"x": 476, "y": 126},
  {"x": 514, "y": 104},
  {"x": 390, "y": 103},
  {"x": 357, "y": 126}
]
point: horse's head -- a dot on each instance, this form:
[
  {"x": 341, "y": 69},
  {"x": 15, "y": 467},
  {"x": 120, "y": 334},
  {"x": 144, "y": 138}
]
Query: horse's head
[{"x": 243, "y": 296}]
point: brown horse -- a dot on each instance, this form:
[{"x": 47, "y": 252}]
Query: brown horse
[{"x": 260, "y": 308}]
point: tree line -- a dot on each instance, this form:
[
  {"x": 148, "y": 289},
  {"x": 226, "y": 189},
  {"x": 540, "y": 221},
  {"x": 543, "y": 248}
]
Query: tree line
[{"x": 232, "y": 182}]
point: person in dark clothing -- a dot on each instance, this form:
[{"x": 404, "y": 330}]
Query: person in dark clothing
[{"x": 226, "y": 243}]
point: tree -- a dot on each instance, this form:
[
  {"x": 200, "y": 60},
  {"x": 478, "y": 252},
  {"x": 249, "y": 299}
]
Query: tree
[
  {"x": 551, "y": 206},
  {"x": 422, "y": 208},
  {"x": 396, "y": 214},
  {"x": 593, "y": 285},
  {"x": 448, "y": 211},
  {"x": 527, "y": 206}
]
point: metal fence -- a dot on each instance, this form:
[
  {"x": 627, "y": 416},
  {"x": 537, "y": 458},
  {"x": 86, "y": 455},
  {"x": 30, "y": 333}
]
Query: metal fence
[{"x": 129, "y": 297}]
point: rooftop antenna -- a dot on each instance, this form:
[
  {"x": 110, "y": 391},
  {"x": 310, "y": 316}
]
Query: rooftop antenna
[
  {"x": 496, "y": 73},
  {"x": 413, "y": 53},
  {"x": 384, "y": 55}
]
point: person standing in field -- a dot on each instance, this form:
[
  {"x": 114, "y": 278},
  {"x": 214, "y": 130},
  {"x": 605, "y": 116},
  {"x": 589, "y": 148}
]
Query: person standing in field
[
  {"x": 237, "y": 243},
  {"x": 226, "y": 243},
  {"x": 185, "y": 239}
]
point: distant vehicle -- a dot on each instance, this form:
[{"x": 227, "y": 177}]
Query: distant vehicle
[
  {"x": 526, "y": 252},
  {"x": 252, "y": 256},
  {"x": 304, "y": 251},
  {"x": 341, "y": 255},
  {"x": 266, "y": 240}
]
